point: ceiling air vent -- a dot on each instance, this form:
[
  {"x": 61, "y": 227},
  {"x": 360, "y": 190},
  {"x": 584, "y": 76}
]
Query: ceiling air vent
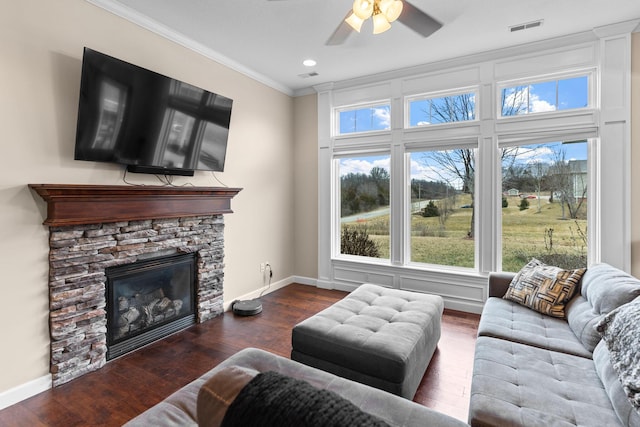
[
  {"x": 526, "y": 26},
  {"x": 307, "y": 75}
]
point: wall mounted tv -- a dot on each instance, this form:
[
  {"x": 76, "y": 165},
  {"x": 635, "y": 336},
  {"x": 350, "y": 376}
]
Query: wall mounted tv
[{"x": 149, "y": 122}]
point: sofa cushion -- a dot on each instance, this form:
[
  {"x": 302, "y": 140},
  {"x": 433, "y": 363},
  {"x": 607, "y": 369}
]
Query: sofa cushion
[
  {"x": 607, "y": 288},
  {"x": 621, "y": 404},
  {"x": 544, "y": 288},
  {"x": 520, "y": 385},
  {"x": 274, "y": 399},
  {"x": 582, "y": 321},
  {"x": 620, "y": 330},
  {"x": 508, "y": 320},
  {"x": 603, "y": 289}
]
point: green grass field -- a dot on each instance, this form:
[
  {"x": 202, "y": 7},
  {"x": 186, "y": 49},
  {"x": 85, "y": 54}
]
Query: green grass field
[{"x": 523, "y": 236}]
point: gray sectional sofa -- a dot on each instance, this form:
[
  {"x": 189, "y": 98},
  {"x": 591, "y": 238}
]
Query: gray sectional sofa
[
  {"x": 204, "y": 401},
  {"x": 531, "y": 369}
]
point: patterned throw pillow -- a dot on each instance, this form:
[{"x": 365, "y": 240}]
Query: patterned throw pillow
[
  {"x": 544, "y": 288},
  {"x": 621, "y": 332}
]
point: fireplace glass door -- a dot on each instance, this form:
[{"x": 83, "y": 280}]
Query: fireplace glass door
[{"x": 148, "y": 300}]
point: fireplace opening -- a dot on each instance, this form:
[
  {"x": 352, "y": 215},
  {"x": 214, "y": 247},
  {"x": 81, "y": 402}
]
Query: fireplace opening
[{"x": 148, "y": 300}]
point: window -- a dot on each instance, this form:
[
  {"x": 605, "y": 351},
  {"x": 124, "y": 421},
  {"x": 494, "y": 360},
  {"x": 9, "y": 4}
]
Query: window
[
  {"x": 537, "y": 135},
  {"x": 432, "y": 110},
  {"x": 544, "y": 204},
  {"x": 363, "y": 119},
  {"x": 364, "y": 206},
  {"x": 554, "y": 95},
  {"x": 442, "y": 208}
]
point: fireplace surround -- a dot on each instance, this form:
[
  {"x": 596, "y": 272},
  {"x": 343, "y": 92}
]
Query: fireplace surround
[{"x": 93, "y": 228}]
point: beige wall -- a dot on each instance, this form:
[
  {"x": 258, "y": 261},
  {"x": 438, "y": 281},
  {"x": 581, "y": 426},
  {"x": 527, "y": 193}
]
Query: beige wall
[
  {"x": 305, "y": 113},
  {"x": 41, "y": 44},
  {"x": 635, "y": 154}
]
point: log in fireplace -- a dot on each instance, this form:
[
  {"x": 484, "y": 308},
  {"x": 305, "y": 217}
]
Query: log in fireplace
[{"x": 148, "y": 300}]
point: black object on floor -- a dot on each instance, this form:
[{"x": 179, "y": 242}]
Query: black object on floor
[{"x": 247, "y": 308}]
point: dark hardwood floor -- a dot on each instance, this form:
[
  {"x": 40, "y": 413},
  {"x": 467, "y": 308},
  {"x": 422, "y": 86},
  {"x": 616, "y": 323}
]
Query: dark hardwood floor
[{"x": 127, "y": 386}]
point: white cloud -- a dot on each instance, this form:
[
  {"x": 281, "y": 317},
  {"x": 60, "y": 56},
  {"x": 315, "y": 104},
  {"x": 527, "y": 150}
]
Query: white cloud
[
  {"x": 518, "y": 99},
  {"x": 538, "y": 105},
  {"x": 363, "y": 165},
  {"x": 383, "y": 115},
  {"x": 434, "y": 172},
  {"x": 534, "y": 154}
]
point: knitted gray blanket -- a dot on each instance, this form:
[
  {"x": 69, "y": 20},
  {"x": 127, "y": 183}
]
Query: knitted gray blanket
[
  {"x": 273, "y": 399},
  {"x": 621, "y": 332}
]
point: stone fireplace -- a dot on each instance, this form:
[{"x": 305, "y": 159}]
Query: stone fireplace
[{"x": 94, "y": 229}]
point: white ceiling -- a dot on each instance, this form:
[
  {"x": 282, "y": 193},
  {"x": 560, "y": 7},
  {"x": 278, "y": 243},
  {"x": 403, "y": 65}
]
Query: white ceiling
[{"x": 269, "y": 39}]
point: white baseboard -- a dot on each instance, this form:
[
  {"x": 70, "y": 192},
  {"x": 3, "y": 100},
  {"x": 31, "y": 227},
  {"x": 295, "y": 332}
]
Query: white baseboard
[
  {"x": 25, "y": 391},
  {"x": 274, "y": 287},
  {"x": 305, "y": 280},
  {"x": 263, "y": 290}
]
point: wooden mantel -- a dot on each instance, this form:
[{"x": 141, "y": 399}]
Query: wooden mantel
[{"x": 69, "y": 204}]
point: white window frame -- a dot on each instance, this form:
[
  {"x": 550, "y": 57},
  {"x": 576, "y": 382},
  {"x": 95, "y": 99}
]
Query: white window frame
[
  {"x": 593, "y": 199},
  {"x": 360, "y": 106},
  {"x": 471, "y": 143},
  {"x": 337, "y": 200},
  {"x": 605, "y": 53},
  {"x": 590, "y": 73},
  {"x": 440, "y": 94}
]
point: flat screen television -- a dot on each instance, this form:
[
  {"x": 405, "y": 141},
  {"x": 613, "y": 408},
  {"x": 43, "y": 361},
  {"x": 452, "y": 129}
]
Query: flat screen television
[{"x": 147, "y": 121}]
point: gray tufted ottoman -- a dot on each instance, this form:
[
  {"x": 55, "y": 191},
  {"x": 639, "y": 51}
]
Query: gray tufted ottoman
[{"x": 377, "y": 336}]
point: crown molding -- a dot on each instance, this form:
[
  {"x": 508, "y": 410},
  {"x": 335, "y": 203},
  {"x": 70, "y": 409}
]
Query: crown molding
[
  {"x": 617, "y": 29},
  {"x": 162, "y": 30}
]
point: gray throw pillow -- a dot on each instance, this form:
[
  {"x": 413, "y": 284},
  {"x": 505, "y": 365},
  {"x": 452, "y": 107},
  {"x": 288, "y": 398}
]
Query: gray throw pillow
[{"x": 620, "y": 330}]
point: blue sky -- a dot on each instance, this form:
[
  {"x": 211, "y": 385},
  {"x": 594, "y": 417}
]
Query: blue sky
[
  {"x": 365, "y": 119},
  {"x": 563, "y": 94}
]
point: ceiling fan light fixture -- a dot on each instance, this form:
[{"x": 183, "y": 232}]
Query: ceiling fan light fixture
[
  {"x": 354, "y": 21},
  {"x": 382, "y": 14},
  {"x": 363, "y": 9},
  {"x": 391, "y": 9},
  {"x": 380, "y": 23}
]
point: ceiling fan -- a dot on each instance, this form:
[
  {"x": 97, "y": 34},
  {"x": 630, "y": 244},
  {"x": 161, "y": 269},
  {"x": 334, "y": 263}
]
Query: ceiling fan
[{"x": 383, "y": 13}]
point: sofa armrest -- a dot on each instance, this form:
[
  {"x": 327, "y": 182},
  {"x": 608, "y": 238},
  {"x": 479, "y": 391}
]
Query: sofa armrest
[
  {"x": 499, "y": 283},
  {"x": 217, "y": 394}
]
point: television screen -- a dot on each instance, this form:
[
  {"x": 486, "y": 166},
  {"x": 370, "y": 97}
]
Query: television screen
[{"x": 149, "y": 122}]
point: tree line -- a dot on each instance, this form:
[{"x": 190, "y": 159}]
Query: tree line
[{"x": 362, "y": 192}]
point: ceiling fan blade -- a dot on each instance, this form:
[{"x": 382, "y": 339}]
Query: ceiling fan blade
[
  {"x": 418, "y": 21},
  {"x": 341, "y": 33}
]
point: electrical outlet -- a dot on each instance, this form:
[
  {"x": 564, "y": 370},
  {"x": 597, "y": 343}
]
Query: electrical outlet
[{"x": 263, "y": 266}]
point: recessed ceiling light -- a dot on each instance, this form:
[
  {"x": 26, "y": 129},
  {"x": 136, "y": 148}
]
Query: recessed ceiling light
[{"x": 309, "y": 63}]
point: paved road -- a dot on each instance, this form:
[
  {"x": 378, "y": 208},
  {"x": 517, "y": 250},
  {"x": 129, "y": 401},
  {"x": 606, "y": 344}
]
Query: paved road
[{"x": 363, "y": 216}]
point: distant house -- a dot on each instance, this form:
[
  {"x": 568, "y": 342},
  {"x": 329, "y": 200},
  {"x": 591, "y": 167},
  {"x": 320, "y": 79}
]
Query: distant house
[
  {"x": 513, "y": 192},
  {"x": 578, "y": 171},
  {"x": 576, "y": 183}
]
